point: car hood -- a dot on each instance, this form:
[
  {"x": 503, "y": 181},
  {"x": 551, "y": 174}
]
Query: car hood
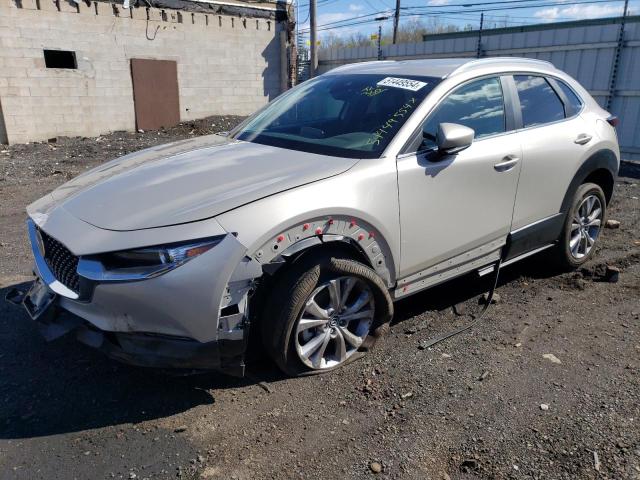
[{"x": 185, "y": 182}]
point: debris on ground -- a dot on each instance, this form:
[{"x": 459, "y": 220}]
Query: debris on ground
[
  {"x": 266, "y": 387},
  {"x": 375, "y": 467},
  {"x": 551, "y": 357},
  {"x": 596, "y": 461},
  {"x": 613, "y": 224}
]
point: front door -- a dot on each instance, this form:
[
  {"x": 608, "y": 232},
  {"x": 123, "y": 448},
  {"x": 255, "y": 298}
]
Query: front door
[{"x": 455, "y": 208}]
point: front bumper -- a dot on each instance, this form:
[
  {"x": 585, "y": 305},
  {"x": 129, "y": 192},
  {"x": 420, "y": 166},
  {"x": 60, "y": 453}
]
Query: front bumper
[
  {"x": 170, "y": 320},
  {"x": 141, "y": 349}
]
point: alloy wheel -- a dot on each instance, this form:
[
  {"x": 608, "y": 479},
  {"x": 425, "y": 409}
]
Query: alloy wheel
[
  {"x": 585, "y": 227},
  {"x": 334, "y": 322}
]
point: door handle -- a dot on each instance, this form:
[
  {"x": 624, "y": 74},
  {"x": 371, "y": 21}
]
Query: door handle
[
  {"x": 507, "y": 163},
  {"x": 583, "y": 139}
]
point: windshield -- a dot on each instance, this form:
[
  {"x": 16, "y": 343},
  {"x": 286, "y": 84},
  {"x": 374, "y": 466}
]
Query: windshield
[{"x": 353, "y": 116}]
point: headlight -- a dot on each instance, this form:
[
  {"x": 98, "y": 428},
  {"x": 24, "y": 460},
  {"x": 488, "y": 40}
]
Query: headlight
[
  {"x": 163, "y": 255},
  {"x": 141, "y": 263}
]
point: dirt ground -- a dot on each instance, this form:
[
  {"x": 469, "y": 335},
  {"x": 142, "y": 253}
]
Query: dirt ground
[{"x": 489, "y": 403}]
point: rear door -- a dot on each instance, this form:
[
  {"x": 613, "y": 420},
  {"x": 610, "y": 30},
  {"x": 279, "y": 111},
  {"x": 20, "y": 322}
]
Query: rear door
[
  {"x": 457, "y": 208},
  {"x": 555, "y": 140}
]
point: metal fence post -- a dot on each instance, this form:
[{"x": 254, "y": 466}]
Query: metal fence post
[
  {"x": 613, "y": 78},
  {"x": 479, "y": 52}
]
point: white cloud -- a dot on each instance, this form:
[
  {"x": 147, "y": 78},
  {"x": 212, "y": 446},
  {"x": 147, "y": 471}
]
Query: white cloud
[
  {"x": 438, "y": 2},
  {"x": 354, "y": 7},
  {"x": 578, "y": 11}
]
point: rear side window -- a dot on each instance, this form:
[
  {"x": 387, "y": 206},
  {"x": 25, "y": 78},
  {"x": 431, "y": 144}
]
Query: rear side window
[
  {"x": 478, "y": 105},
  {"x": 539, "y": 102},
  {"x": 574, "y": 102}
]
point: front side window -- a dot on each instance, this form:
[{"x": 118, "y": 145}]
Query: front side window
[
  {"x": 478, "y": 105},
  {"x": 538, "y": 101},
  {"x": 354, "y": 115}
]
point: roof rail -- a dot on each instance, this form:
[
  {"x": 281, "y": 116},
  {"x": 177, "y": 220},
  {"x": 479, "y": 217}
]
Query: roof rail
[{"x": 476, "y": 62}]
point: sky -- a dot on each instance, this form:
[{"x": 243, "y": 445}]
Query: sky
[{"x": 342, "y": 13}]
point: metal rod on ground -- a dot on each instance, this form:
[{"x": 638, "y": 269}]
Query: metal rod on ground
[
  {"x": 396, "y": 21},
  {"x": 313, "y": 66},
  {"x": 479, "y": 53}
]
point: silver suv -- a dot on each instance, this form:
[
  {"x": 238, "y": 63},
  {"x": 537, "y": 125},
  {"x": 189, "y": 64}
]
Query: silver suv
[{"x": 302, "y": 226}]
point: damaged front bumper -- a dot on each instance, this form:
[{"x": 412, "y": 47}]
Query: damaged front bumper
[{"x": 193, "y": 317}]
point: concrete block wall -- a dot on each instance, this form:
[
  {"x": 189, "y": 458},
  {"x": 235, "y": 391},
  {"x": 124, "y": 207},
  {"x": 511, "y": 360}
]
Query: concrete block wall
[{"x": 226, "y": 65}]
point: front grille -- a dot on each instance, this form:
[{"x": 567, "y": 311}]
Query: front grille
[{"x": 63, "y": 263}]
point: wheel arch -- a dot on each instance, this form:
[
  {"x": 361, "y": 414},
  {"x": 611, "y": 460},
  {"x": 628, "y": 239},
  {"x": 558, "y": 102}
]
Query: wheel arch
[
  {"x": 353, "y": 235},
  {"x": 600, "y": 168}
]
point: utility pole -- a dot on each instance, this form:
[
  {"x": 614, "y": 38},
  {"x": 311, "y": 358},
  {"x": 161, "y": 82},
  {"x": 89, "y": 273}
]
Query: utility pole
[
  {"x": 313, "y": 66},
  {"x": 396, "y": 21}
]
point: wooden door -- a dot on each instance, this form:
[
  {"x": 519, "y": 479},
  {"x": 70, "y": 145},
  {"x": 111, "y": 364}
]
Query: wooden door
[{"x": 155, "y": 93}]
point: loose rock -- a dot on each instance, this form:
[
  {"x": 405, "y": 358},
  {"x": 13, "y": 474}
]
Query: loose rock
[
  {"x": 612, "y": 274},
  {"x": 544, "y": 406},
  {"x": 494, "y": 299},
  {"x": 375, "y": 467}
]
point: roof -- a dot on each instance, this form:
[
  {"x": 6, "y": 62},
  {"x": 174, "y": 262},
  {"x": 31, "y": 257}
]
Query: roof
[
  {"x": 530, "y": 28},
  {"x": 437, "y": 67}
]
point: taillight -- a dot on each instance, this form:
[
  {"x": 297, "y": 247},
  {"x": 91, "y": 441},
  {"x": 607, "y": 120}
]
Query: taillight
[{"x": 613, "y": 121}]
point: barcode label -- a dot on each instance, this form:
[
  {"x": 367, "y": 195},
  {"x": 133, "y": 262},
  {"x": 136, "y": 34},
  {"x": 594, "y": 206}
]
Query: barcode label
[{"x": 405, "y": 83}]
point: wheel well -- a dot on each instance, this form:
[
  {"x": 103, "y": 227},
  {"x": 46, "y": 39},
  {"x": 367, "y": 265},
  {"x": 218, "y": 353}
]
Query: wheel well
[
  {"x": 345, "y": 247},
  {"x": 604, "y": 179},
  {"x": 267, "y": 281}
]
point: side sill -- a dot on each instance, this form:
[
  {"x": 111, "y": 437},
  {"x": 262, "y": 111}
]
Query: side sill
[{"x": 525, "y": 255}]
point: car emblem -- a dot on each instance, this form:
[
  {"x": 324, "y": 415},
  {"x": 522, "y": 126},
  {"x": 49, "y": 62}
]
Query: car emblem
[{"x": 40, "y": 243}]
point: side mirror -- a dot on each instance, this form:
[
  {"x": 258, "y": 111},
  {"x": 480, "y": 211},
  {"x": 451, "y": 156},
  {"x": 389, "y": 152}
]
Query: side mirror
[{"x": 453, "y": 138}]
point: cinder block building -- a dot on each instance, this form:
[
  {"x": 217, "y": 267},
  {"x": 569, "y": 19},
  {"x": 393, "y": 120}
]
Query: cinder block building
[{"x": 92, "y": 67}]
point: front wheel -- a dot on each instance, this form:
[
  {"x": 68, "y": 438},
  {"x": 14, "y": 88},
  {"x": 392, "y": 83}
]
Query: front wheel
[
  {"x": 582, "y": 226},
  {"x": 324, "y": 313}
]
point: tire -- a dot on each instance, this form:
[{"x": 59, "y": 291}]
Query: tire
[
  {"x": 287, "y": 327},
  {"x": 587, "y": 228}
]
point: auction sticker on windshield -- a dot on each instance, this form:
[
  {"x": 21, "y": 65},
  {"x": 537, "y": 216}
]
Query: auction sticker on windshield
[{"x": 405, "y": 83}]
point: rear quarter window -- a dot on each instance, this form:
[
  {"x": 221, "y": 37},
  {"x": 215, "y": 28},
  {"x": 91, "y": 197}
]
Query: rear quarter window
[{"x": 574, "y": 103}]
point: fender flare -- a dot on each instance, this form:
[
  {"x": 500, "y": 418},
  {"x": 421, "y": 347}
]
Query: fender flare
[{"x": 602, "y": 159}]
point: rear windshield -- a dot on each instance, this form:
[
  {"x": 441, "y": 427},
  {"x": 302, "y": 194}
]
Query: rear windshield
[{"x": 353, "y": 116}]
